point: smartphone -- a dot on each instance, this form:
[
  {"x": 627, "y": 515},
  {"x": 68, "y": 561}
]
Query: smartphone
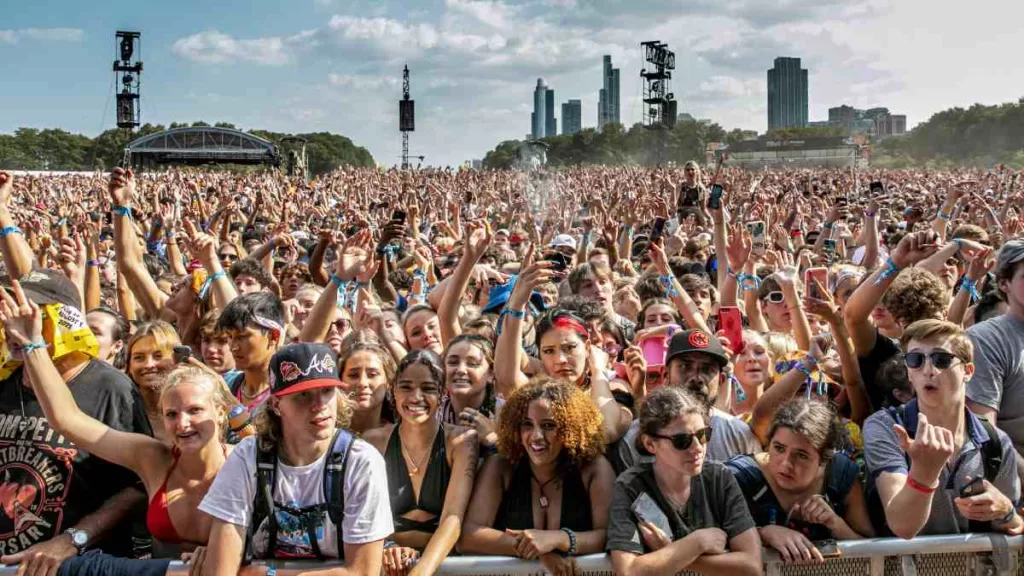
[
  {"x": 398, "y": 216},
  {"x": 757, "y": 237},
  {"x": 559, "y": 261},
  {"x": 829, "y": 247},
  {"x": 94, "y": 216},
  {"x": 182, "y": 354},
  {"x": 974, "y": 487},
  {"x": 657, "y": 230},
  {"x": 877, "y": 188},
  {"x": 715, "y": 201},
  {"x": 842, "y": 201},
  {"x": 816, "y": 274},
  {"x": 828, "y": 548},
  {"x": 730, "y": 322},
  {"x": 647, "y": 510}
]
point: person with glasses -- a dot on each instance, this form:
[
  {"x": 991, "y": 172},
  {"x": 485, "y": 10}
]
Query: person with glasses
[
  {"x": 779, "y": 303},
  {"x": 545, "y": 495},
  {"x": 679, "y": 512},
  {"x": 933, "y": 462},
  {"x": 803, "y": 489},
  {"x": 696, "y": 361}
]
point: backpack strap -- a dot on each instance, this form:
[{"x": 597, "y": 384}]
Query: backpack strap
[
  {"x": 263, "y": 508},
  {"x": 334, "y": 482},
  {"x": 991, "y": 451}
]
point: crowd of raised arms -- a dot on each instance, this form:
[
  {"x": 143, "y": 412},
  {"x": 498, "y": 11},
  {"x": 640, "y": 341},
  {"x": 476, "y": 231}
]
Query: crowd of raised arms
[{"x": 378, "y": 369}]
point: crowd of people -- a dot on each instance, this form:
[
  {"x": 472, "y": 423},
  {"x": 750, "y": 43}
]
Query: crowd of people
[{"x": 378, "y": 369}]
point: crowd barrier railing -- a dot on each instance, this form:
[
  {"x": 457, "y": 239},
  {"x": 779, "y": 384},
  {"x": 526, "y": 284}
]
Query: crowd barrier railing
[{"x": 953, "y": 555}]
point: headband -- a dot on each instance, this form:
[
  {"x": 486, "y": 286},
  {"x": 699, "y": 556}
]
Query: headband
[
  {"x": 571, "y": 323},
  {"x": 268, "y": 323}
]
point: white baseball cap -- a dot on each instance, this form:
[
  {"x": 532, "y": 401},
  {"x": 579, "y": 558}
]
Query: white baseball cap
[{"x": 563, "y": 240}]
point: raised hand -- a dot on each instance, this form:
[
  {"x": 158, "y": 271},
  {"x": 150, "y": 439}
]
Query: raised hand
[
  {"x": 357, "y": 261},
  {"x": 913, "y": 248},
  {"x": 478, "y": 238},
  {"x": 22, "y": 320},
  {"x": 121, "y": 186},
  {"x": 6, "y": 187},
  {"x": 929, "y": 450}
]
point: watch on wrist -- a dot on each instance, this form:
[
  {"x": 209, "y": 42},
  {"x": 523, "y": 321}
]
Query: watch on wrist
[{"x": 80, "y": 538}]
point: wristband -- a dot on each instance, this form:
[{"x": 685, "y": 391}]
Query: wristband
[
  {"x": 271, "y": 570},
  {"x": 10, "y": 230},
  {"x": 30, "y": 347},
  {"x": 869, "y": 213},
  {"x": 338, "y": 281},
  {"x": 122, "y": 211},
  {"x": 573, "y": 544},
  {"x": 921, "y": 487},
  {"x": 943, "y": 216},
  {"x": 971, "y": 287},
  {"x": 795, "y": 233},
  {"x": 218, "y": 275},
  {"x": 93, "y": 263},
  {"x": 1008, "y": 518},
  {"x": 828, "y": 225},
  {"x": 670, "y": 288},
  {"x": 62, "y": 222},
  {"x": 517, "y": 314},
  {"x": 891, "y": 269}
]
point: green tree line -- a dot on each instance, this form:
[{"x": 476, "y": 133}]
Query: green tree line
[
  {"x": 687, "y": 140},
  {"x": 56, "y": 149},
  {"x": 976, "y": 136}
]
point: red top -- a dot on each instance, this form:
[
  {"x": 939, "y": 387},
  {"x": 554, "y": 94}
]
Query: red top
[{"x": 158, "y": 519}]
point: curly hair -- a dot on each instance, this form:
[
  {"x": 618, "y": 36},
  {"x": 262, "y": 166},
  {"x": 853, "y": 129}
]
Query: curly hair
[
  {"x": 578, "y": 420},
  {"x": 916, "y": 294},
  {"x": 270, "y": 430}
]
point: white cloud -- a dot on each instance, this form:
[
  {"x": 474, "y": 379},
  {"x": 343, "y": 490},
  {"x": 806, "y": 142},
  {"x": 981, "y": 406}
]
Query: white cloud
[
  {"x": 45, "y": 34},
  {"x": 213, "y": 47}
]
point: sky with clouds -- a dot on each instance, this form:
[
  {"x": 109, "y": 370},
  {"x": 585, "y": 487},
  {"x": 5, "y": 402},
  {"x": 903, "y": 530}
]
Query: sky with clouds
[{"x": 335, "y": 65}]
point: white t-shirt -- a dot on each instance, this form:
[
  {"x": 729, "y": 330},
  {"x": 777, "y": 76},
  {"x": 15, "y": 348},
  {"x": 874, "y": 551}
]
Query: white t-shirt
[{"x": 232, "y": 497}]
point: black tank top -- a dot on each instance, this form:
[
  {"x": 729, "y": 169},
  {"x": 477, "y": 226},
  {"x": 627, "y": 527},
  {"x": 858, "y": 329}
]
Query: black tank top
[
  {"x": 516, "y": 511},
  {"x": 432, "y": 490}
]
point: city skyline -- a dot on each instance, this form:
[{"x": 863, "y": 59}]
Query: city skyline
[{"x": 328, "y": 65}]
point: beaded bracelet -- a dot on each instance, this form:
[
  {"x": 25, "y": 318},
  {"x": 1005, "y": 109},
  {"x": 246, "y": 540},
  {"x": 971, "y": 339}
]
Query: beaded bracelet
[
  {"x": 10, "y": 230},
  {"x": 573, "y": 544}
]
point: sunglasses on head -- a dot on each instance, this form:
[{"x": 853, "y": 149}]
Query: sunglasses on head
[
  {"x": 775, "y": 297},
  {"x": 939, "y": 359},
  {"x": 684, "y": 440}
]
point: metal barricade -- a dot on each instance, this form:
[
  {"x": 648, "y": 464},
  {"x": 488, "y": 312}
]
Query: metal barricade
[{"x": 955, "y": 555}]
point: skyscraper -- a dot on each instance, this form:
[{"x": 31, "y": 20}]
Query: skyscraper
[
  {"x": 608, "y": 96},
  {"x": 539, "y": 116},
  {"x": 787, "y": 94},
  {"x": 550, "y": 124},
  {"x": 572, "y": 117}
]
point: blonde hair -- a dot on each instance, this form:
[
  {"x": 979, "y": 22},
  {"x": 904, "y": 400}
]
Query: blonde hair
[
  {"x": 270, "y": 431},
  {"x": 165, "y": 336},
  {"x": 930, "y": 330},
  {"x": 780, "y": 344},
  {"x": 201, "y": 376}
]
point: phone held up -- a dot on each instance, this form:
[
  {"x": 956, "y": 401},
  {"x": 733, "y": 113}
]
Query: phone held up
[
  {"x": 730, "y": 322},
  {"x": 398, "y": 216},
  {"x": 559, "y": 262},
  {"x": 816, "y": 274},
  {"x": 658, "y": 230},
  {"x": 715, "y": 200},
  {"x": 758, "y": 239}
]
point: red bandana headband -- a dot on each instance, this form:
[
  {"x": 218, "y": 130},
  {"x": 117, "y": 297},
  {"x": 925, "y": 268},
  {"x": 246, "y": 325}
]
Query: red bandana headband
[{"x": 571, "y": 323}]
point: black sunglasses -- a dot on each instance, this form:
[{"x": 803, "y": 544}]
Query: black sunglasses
[
  {"x": 940, "y": 360},
  {"x": 684, "y": 440}
]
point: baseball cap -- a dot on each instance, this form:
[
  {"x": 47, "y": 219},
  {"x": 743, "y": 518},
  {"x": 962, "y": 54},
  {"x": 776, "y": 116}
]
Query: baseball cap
[
  {"x": 1011, "y": 253},
  {"x": 47, "y": 286},
  {"x": 563, "y": 240},
  {"x": 694, "y": 341},
  {"x": 503, "y": 231},
  {"x": 304, "y": 366},
  {"x": 499, "y": 295}
]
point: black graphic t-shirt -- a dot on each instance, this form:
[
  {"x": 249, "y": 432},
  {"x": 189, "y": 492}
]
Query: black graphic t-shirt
[{"x": 46, "y": 483}]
